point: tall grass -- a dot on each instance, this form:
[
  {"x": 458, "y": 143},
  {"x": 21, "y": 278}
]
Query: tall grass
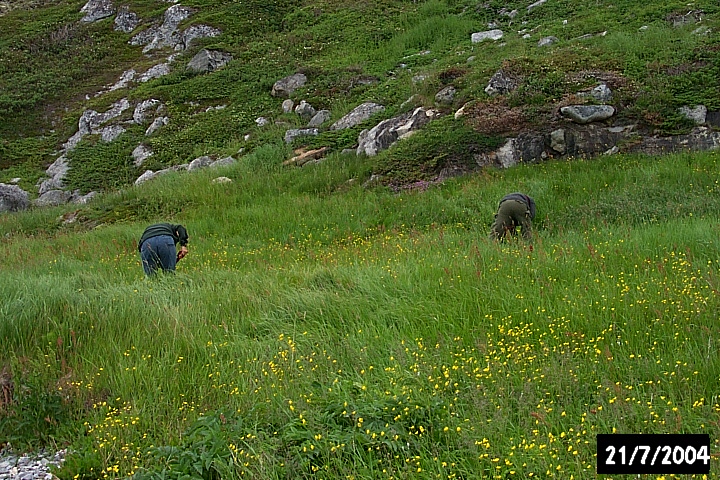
[{"x": 319, "y": 328}]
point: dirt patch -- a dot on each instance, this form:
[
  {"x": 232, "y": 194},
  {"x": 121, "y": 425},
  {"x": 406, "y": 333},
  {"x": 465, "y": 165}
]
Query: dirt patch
[{"x": 495, "y": 117}]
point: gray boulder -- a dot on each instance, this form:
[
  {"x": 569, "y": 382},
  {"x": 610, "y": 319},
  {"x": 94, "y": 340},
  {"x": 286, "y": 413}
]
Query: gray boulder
[
  {"x": 95, "y": 10},
  {"x": 208, "y": 60},
  {"x": 583, "y": 114},
  {"x": 547, "y": 41},
  {"x": 494, "y": 34},
  {"x": 387, "y": 132},
  {"x": 319, "y": 118},
  {"x": 56, "y": 171},
  {"x": 292, "y": 134},
  {"x": 288, "y": 105},
  {"x": 200, "y": 162},
  {"x": 305, "y": 110},
  {"x": 149, "y": 174},
  {"x": 52, "y": 198},
  {"x": 286, "y": 86},
  {"x": 601, "y": 93},
  {"x": 125, "y": 20},
  {"x": 13, "y": 198},
  {"x": 165, "y": 35},
  {"x": 358, "y": 115},
  {"x": 111, "y": 132},
  {"x": 446, "y": 95},
  {"x": 90, "y": 120},
  {"x": 82, "y": 199},
  {"x": 153, "y": 72}
]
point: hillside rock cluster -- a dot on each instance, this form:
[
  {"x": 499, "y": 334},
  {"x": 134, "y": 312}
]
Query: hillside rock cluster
[
  {"x": 29, "y": 467},
  {"x": 584, "y": 124}
]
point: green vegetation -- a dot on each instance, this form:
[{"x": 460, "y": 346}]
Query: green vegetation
[
  {"x": 327, "y": 327},
  {"x": 50, "y": 62},
  {"x": 320, "y": 328}
]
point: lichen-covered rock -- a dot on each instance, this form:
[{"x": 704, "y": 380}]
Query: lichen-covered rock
[{"x": 286, "y": 86}]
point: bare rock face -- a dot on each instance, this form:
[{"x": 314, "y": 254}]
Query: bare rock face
[
  {"x": 13, "y": 198},
  {"x": 286, "y": 86}
]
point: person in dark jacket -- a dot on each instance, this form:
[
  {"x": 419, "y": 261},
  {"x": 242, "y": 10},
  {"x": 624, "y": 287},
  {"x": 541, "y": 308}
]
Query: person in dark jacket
[
  {"x": 515, "y": 210},
  {"x": 157, "y": 247}
]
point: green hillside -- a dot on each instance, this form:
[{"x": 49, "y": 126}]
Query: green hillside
[{"x": 326, "y": 325}]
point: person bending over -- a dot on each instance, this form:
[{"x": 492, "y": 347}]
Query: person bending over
[
  {"x": 515, "y": 210},
  {"x": 157, "y": 247}
]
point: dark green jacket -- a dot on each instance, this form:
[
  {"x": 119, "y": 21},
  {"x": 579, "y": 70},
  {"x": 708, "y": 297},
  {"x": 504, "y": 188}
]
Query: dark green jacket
[
  {"x": 521, "y": 197},
  {"x": 177, "y": 232}
]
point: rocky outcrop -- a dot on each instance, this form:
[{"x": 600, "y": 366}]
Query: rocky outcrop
[
  {"x": 140, "y": 114},
  {"x": 200, "y": 162},
  {"x": 586, "y": 141},
  {"x": 387, "y": 132},
  {"x": 700, "y": 138},
  {"x": 167, "y": 34}
]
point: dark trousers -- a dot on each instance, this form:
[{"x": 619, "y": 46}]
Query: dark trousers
[{"x": 158, "y": 252}]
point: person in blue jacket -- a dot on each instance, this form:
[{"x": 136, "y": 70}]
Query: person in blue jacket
[
  {"x": 515, "y": 210},
  {"x": 157, "y": 247}
]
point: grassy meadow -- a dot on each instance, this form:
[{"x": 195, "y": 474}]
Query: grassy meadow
[
  {"x": 325, "y": 328},
  {"x": 321, "y": 329}
]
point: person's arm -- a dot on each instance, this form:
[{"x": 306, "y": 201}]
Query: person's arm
[{"x": 183, "y": 238}]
